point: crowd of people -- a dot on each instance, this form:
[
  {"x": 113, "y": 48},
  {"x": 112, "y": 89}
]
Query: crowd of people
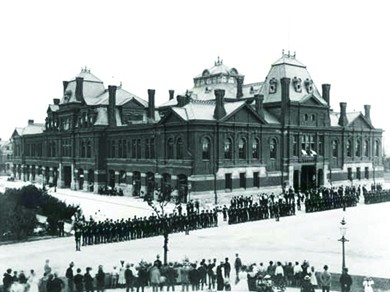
[
  {"x": 331, "y": 198},
  {"x": 186, "y": 275},
  {"x": 376, "y": 195},
  {"x": 90, "y": 232},
  {"x": 245, "y": 208}
]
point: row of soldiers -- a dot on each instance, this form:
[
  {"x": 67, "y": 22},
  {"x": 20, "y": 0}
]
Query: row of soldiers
[
  {"x": 89, "y": 232},
  {"x": 268, "y": 207},
  {"x": 374, "y": 197},
  {"x": 331, "y": 198}
]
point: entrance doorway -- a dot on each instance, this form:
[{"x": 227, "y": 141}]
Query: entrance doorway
[
  {"x": 308, "y": 177},
  {"x": 67, "y": 176},
  {"x": 182, "y": 188}
]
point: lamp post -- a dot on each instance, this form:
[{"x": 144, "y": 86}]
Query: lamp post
[{"x": 343, "y": 231}]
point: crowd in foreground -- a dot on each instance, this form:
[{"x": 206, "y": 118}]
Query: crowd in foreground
[{"x": 201, "y": 275}]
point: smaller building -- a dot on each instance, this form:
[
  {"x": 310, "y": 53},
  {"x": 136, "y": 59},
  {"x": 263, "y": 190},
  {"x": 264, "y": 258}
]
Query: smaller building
[{"x": 6, "y": 157}]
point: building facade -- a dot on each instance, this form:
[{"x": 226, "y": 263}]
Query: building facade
[
  {"x": 221, "y": 138},
  {"x": 6, "y": 157}
]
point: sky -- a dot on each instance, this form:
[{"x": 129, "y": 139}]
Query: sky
[{"x": 162, "y": 45}]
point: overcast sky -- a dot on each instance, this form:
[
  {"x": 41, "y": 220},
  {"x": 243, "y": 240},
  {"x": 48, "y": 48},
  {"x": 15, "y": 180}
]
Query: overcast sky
[{"x": 162, "y": 45}]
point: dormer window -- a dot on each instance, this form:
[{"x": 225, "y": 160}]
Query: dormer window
[
  {"x": 223, "y": 79},
  {"x": 273, "y": 85},
  {"x": 231, "y": 80},
  {"x": 297, "y": 83},
  {"x": 309, "y": 85}
]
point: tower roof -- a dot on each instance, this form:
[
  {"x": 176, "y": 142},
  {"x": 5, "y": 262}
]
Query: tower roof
[{"x": 301, "y": 83}]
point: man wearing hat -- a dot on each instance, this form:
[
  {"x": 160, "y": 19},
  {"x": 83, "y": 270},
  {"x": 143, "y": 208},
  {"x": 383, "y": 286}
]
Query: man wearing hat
[
  {"x": 306, "y": 285},
  {"x": 345, "y": 281},
  {"x": 69, "y": 276}
]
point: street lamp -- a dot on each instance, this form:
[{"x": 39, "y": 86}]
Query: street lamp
[{"x": 343, "y": 231}]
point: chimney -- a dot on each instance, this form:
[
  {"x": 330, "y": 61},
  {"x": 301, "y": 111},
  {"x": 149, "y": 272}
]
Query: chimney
[
  {"x": 79, "y": 89},
  {"x": 65, "y": 84},
  {"x": 285, "y": 87},
  {"x": 151, "y": 106},
  {"x": 259, "y": 98},
  {"x": 171, "y": 94},
  {"x": 367, "y": 109},
  {"x": 111, "y": 105},
  {"x": 31, "y": 122},
  {"x": 325, "y": 93},
  {"x": 343, "y": 121},
  {"x": 240, "y": 81},
  {"x": 182, "y": 100},
  {"x": 56, "y": 101},
  {"x": 219, "y": 111}
]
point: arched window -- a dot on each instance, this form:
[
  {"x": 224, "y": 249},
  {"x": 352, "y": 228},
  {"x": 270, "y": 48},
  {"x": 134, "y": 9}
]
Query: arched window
[
  {"x": 179, "y": 149},
  {"x": 335, "y": 148},
  {"x": 242, "y": 149},
  {"x": 376, "y": 148},
  {"x": 358, "y": 148},
  {"x": 256, "y": 149},
  {"x": 366, "y": 148},
  {"x": 228, "y": 150},
  {"x": 89, "y": 149},
  {"x": 170, "y": 148},
  {"x": 272, "y": 148},
  {"x": 206, "y": 148},
  {"x": 349, "y": 148}
]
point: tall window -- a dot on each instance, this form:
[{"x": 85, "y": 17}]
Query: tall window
[
  {"x": 152, "y": 151},
  {"x": 242, "y": 149},
  {"x": 124, "y": 153},
  {"x": 272, "y": 148},
  {"x": 321, "y": 145},
  {"x": 256, "y": 149},
  {"x": 170, "y": 148},
  {"x": 138, "y": 148},
  {"x": 89, "y": 149},
  {"x": 179, "y": 148},
  {"x": 358, "y": 148},
  {"x": 335, "y": 148},
  {"x": 295, "y": 145},
  {"x": 134, "y": 148},
  {"x": 365, "y": 148},
  {"x": 228, "y": 181},
  {"x": 349, "y": 148},
  {"x": 228, "y": 149},
  {"x": 376, "y": 148},
  {"x": 256, "y": 180},
  {"x": 147, "y": 148},
  {"x": 113, "y": 149},
  {"x": 82, "y": 154},
  {"x": 206, "y": 148}
]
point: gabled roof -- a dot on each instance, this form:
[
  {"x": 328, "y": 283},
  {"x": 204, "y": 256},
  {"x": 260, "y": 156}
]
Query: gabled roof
[
  {"x": 351, "y": 117},
  {"x": 30, "y": 129},
  {"x": 122, "y": 96}
]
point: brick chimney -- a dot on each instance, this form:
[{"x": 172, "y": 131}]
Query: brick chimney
[
  {"x": 56, "y": 101},
  {"x": 259, "y": 99},
  {"x": 171, "y": 94},
  {"x": 285, "y": 87},
  {"x": 182, "y": 100},
  {"x": 79, "y": 89},
  {"x": 343, "y": 121},
  {"x": 325, "y": 93},
  {"x": 111, "y": 105},
  {"x": 240, "y": 82},
  {"x": 65, "y": 84},
  {"x": 219, "y": 111},
  {"x": 151, "y": 104},
  {"x": 31, "y": 122},
  {"x": 367, "y": 109}
]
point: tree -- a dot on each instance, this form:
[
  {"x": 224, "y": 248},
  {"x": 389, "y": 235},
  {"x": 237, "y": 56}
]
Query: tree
[{"x": 159, "y": 208}]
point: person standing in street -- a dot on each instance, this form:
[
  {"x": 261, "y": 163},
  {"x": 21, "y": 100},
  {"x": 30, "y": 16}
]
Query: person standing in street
[
  {"x": 345, "y": 281},
  {"x": 69, "y": 277},
  {"x": 78, "y": 281},
  {"x": 325, "y": 279},
  {"x": 237, "y": 266}
]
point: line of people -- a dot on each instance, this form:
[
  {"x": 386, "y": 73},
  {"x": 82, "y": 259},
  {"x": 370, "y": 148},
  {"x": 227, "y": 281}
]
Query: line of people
[{"x": 90, "y": 232}]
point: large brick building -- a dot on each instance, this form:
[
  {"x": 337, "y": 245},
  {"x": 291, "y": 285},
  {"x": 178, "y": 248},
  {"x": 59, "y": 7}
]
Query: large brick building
[{"x": 220, "y": 138}]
